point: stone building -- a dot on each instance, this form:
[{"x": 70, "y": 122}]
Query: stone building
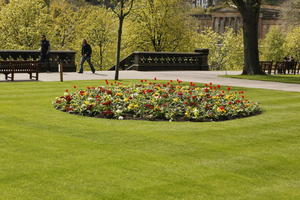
[
  {"x": 222, "y": 18},
  {"x": 205, "y": 3}
]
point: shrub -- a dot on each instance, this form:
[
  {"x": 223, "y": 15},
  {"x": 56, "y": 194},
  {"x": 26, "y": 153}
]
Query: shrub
[
  {"x": 272, "y": 45},
  {"x": 157, "y": 101},
  {"x": 292, "y": 45},
  {"x": 226, "y": 50}
]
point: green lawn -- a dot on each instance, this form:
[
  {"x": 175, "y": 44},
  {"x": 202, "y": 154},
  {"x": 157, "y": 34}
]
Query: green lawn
[
  {"x": 47, "y": 154},
  {"x": 274, "y": 78}
]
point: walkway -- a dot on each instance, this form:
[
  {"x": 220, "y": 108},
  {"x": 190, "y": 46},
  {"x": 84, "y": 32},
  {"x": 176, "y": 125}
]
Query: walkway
[{"x": 195, "y": 76}]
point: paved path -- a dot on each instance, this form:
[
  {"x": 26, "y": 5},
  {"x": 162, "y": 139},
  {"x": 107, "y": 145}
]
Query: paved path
[{"x": 195, "y": 76}]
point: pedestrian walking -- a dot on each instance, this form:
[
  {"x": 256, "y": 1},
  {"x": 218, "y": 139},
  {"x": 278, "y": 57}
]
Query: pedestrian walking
[
  {"x": 86, "y": 55},
  {"x": 44, "y": 52}
]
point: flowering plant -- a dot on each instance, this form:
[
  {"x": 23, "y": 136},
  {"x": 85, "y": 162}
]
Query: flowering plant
[{"x": 148, "y": 100}]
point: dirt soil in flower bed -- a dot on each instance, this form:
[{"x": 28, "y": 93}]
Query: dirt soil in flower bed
[{"x": 155, "y": 101}]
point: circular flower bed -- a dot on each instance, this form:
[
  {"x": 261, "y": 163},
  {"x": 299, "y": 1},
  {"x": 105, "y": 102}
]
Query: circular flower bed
[{"x": 171, "y": 101}]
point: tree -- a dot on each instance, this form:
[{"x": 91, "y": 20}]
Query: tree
[
  {"x": 225, "y": 50},
  {"x": 99, "y": 30},
  {"x": 63, "y": 24},
  {"x": 21, "y": 24},
  {"x": 249, "y": 10},
  {"x": 122, "y": 9},
  {"x": 160, "y": 25},
  {"x": 272, "y": 45},
  {"x": 292, "y": 45}
]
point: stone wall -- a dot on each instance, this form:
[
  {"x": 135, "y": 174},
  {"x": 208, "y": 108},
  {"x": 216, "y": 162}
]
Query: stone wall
[{"x": 223, "y": 18}]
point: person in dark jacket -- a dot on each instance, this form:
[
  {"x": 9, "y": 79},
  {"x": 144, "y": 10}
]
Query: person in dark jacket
[
  {"x": 44, "y": 52},
  {"x": 86, "y": 54}
]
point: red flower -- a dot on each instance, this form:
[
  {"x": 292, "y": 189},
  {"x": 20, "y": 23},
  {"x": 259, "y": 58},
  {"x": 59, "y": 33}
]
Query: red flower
[
  {"x": 219, "y": 86},
  {"x": 180, "y": 93},
  {"x": 149, "y": 106},
  {"x": 222, "y": 108},
  {"x": 107, "y": 103},
  {"x": 229, "y": 88},
  {"x": 69, "y": 109},
  {"x": 238, "y": 101},
  {"x": 210, "y": 83},
  {"x": 206, "y": 90},
  {"x": 106, "y": 81},
  {"x": 107, "y": 113},
  {"x": 108, "y": 92},
  {"x": 149, "y": 91},
  {"x": 68, "y": 98},
  {"x": 89, "y": 107},
  {"x": 155, "y": 78},
  {"x": 142, "y": 81}
]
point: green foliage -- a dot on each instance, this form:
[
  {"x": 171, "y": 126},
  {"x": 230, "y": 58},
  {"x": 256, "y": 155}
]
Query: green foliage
[
  {"x": 159, "y": 25},
  {"x": 99, "y": 28},
  {"x": 292, "y": 45},
  {"x": 272, "y": 45},
  {"x": 21, "y": 24},
  {"x": 225, "y": 50},
  {"x": 63, "y": 25}
]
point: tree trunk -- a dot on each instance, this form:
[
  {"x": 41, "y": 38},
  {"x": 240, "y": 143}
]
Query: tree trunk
[
  {"x": 118, "y": 54},
  {"x": 251, "y": 55}
]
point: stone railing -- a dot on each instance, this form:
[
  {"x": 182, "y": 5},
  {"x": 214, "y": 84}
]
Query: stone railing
[
  {"x": 55, "y": 57},
  {"x": 164, "y": 61}
]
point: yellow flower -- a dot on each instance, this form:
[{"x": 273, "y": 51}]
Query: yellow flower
[
  {"x": 119, "y": 94},
  {"x": 126, "y": 99},
  {"x": 130, "y": 106},
  {"x": 187, "y": 114},
  {"x": 175, "y": 99}
]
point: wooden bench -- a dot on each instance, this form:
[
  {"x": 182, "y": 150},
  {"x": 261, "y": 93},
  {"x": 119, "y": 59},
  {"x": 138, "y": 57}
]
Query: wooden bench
[
  {"x": 12, "y": 67},
  {"x": 292, "y": 67},
  {"x": 266, "y": 66}
]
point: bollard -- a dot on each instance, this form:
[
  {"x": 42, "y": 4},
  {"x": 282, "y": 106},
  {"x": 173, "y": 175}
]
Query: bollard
[{"x": 61, "y": 71}]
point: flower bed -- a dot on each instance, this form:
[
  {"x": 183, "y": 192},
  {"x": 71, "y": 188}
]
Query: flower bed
[{"x": 171, "y": 101}]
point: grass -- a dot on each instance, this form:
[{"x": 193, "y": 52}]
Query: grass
[
  {"x": 47, "y": 154},
  {"x": 274, "y": 78}
]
